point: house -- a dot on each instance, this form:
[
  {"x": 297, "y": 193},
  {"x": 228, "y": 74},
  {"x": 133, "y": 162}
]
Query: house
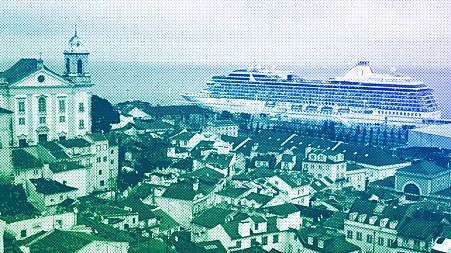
[
  {"x": 320, "y": 240},
  {"x": 356, "y": 176},
  {"x": 222, "y": 127},
  {"x": 270, "y": 230},
  {"x": 107, "y": 212},
  {"x": 323, "y": 162},
  {"x": 294, "y": 187},
  {"x": 152, "y": 220},
  {"x": 186, "y": 139},
  {"x": 71, "y": 174},
  {"x": 60, "y": 241},
  {"x": 223, "y": 163},
  {"x": 137, "y": 113},
  {"x": 232, "y": 196},
  {"x": 419, "y": 232},
  {"x": 184, "y": 199},
  {"x": 26, "y": 166},
  {"x": 374, "y": 226},
  {"x": 45, "y": 193}
]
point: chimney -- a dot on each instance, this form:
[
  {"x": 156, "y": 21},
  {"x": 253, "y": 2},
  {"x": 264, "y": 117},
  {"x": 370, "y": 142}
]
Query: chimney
[
  {"x": 244, "y": 228},
  {"x": 196, "y": 185}
]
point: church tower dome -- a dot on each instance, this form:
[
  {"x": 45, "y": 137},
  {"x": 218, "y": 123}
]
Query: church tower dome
[{"x": 76, "y": 59}]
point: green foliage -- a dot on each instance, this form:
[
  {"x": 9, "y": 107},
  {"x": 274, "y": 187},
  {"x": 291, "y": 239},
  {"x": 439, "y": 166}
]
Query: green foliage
[{"x": 103, "y": 115}]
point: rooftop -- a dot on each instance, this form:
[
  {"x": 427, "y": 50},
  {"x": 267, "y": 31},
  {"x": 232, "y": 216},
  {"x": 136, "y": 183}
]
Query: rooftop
[
  {"x": 183, "y": 190},
  {"x": 441, "y": 130},
  {"x": 212, "y": 217},
  {"x": 24, "y": 160},
  {"x": 97, "y": 136},
  {"x": 67, "y": 241},
  {"x": 75, "y": 143},
  {"x": 332, "y": 243},
  {"x": 21, "y": 69},
  {"x": 64, "y": 166},
  {"x": 233, "y": 192},
  {"x": 55, "y": 149},
  {"x": 45, "y": 186},
  {"x": 425, "y": 168},
  {"x": 144, "y": 211}
]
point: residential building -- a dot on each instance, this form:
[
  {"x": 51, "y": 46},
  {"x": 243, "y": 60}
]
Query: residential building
[
  {"x": 222, "y": 127},
  {"x": 44, "y": 193},
  {"x": 321, "y": 163}
]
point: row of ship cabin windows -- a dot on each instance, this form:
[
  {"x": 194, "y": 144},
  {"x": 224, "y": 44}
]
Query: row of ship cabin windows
[
  {"x": 416, "y": 114},
  {"x": 42, "y": 105},
  {"x": 43, "y": 121}
]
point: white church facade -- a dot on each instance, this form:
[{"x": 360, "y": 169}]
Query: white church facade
[{"x": 46, "y": 105}]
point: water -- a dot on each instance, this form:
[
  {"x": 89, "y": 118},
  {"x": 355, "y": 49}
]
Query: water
[{"x": 163, "y": 83}]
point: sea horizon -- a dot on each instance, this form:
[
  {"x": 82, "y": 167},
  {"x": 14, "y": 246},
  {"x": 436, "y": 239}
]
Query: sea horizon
[{"x": 162, "y": 83}]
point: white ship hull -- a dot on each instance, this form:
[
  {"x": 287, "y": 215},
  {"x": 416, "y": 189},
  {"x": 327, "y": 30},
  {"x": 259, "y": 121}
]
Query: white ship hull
[{"x": 283, "y": 110}]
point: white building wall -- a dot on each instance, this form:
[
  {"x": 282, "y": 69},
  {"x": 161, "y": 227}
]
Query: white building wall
[{"x": 63, "y": 221}]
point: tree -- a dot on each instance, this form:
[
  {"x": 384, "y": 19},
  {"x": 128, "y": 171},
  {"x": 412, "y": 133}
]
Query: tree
[{"x": 103, "y": 115}]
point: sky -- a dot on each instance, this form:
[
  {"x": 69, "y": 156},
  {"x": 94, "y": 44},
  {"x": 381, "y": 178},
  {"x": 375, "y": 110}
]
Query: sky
[{"x": 298, "y": 32}]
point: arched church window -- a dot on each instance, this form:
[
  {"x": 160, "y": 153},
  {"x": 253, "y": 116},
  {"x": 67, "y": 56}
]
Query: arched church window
[
  {"x": 41, "y": 104},
  {"x": 79, "y": 66},
  {"x": 67, "y": 66}
]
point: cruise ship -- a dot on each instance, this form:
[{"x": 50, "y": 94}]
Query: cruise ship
[{"x": 360, "y": 96}]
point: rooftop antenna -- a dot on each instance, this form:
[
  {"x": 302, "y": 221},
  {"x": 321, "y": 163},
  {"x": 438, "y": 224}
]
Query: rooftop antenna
[{"x": 75, "y": 29}]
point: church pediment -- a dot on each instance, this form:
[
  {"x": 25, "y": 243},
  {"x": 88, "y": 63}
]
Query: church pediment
[{"x": 42, "y": 78}]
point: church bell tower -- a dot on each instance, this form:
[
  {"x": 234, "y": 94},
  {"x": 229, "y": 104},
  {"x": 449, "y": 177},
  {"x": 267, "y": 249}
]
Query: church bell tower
[{"x": 76, "y": 60}]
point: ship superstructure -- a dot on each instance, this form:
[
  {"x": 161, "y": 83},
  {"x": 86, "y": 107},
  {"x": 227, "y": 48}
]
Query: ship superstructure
[{"x": 360, "y": 96}]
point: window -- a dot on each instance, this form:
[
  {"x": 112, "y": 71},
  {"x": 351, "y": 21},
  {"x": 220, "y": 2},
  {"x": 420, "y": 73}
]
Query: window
[
  {"x": 81, "y": 124},
  {"x": 81, "y": 107},
  {"x": 23, "y": 233},
  {"x": 112, "y": 151},
  {"x": 22, "y": 121},
  {"x": 61, "y": 197},
  {"x": 275, "y": 238},
  {"x": 42, "y": 120},
  {"x": 100, "y": 172},
  {"x": 21, "y": 106},
  {"x": 134, "y": 220},
  {"x": 105, "y": 159},
  {"x": 62, "y": 105},
  {"x": 99, "y": 159},
  {"x": 256, "y": 226},
  {"x": 253, "y": 241},
  {"x": 102, "y": 182},
  {"x": 264, "y": 240},
  {"x": 349, "y": 236},
  {"x": 41, "y": 104},
  {"x": 380, "y": 241},
  {"x": 64, "y": 182},
  {"x": 67, "y": 66},
  {"x": 369, "y": 239},
  {"x": 358, "y": 236},
  {"x": 79, "y": 66},
  {"x": 62, "y": 119},
  {"x": 390, "y": 242},
  {"x": 238, "y": 244},
  {"x": 112, "y": 161}
]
